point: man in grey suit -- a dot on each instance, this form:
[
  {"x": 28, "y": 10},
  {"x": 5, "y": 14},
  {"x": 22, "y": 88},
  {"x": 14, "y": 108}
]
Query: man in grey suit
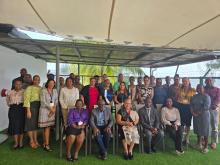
[
  {"x": 101, "y": 122},
  {"x": 149, "y": 120}
]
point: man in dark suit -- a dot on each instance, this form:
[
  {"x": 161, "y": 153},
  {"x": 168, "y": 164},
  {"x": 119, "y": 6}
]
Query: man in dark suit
[
  {"x": 149, "y": 120},
  {"x": 101, "y": 122}
]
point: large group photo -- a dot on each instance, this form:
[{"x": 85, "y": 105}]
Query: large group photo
[{"x": 106, "y": 82}]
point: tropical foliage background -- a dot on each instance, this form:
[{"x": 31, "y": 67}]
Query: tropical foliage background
[{"x": 86, "y": 71}]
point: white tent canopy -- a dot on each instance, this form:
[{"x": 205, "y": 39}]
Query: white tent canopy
[{"x": 191, "y": 24}]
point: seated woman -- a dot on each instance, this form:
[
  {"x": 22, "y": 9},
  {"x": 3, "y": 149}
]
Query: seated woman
[
  {"x": 170, "y": 117},
  {"x": 127, "y": 121},
  {"x": 77, "y": 120},
  {"x": 121, "y": 95}
]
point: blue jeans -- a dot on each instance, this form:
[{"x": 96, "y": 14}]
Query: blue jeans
[{"x": 102, "y": 140}]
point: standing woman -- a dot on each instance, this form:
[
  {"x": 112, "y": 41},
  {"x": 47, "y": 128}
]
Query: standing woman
[
  {"x": 68, "y": 96},
  {"x": 121, "y": 95},
  {"x": 132, "y": 89},
  {"x": 16, "y": 113},
  {"x": 200, "y": 106},
  {"x": 32, "y": 105},
  {"x": 49, "y": 100},
  {"x": 185, "y": 95},
  {"x": 90, "y": 94}
]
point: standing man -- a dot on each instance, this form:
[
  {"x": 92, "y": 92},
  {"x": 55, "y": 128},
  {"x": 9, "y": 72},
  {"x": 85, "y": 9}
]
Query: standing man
[
  {"x": 150, "y": 122},
  {"x": 214, "y": 94},
  {"x": 167, "y": 85},
  {"x": 101, "y": 122},
  {"x": 160, "y": 95},
  {"x": 174, "y": 89},
  {"x": 23, "y": 72},
  {"x": 120, "y": 80}
]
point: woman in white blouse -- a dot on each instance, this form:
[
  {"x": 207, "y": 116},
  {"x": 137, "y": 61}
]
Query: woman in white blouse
[
  {"x": 171, "y": 120},
  {"x": 16, "y": 113},
  {"x": 68, "y": 96}
]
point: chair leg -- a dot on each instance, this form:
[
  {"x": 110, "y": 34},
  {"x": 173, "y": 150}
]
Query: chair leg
[
  {"x": 113, "y": 140},
  {"x": 116, "y": 139},
  {"x": 90, "y": 141},
  {"x": 142, "y": 144},
  {"x": 61, "y": 141},
  {"x": 163, "y": 141},
  {"x": 86, "y": 142}
]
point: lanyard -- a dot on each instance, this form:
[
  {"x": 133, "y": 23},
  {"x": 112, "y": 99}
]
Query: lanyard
[{"x": 51, "y": 96}]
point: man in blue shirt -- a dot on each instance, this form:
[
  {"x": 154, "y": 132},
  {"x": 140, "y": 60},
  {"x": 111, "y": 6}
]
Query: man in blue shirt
[{"x": 101, "y": 122}]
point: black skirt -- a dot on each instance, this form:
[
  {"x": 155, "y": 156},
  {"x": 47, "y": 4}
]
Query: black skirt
[
  {"x": 16, "y": 116},
  {"x": 73, "y": 131},
  {"x": 32, "y": 123}
]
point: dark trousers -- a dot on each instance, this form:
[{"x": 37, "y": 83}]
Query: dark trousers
[
  {"x": 102, "y": 140},
  {"x": 176, "y": 135},
  {"x": 153, "y": 140}
]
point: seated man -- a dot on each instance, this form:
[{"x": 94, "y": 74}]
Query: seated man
[
  {"x": 149, "y": 120},
  {"x": 101, "y": 122}
]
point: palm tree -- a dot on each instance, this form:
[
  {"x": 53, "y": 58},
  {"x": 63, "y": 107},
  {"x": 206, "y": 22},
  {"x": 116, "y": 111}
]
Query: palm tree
[{"x": 112, "y": 71}]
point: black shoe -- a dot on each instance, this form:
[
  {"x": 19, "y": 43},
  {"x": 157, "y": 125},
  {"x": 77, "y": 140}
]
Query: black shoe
[
  {"x": 15, "y": 147},
  {"x": 153, "y": 149},
  {"x": 148, "y": 151},
  {"x": 75, "y": 159},
  {"x": 70, "y": 159},
  {"x": 47, "y": 148},
  {"x": 126, "y": 156},
  {"x": 21, "y": 146},
  {"x": 104, "y": 156},
  {"x": 130, "y": 156}
]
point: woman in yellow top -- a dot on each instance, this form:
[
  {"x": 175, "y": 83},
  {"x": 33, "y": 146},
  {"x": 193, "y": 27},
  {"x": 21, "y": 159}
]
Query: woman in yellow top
[
  {"x": 184, "y": 96},
  {"x": 32, "y": 105}
]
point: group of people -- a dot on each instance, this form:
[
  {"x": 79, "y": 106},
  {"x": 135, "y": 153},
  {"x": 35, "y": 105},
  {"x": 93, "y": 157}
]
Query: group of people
[{"x": 155, "y": 107}]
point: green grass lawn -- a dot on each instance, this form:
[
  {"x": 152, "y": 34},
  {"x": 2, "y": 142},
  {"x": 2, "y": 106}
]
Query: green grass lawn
[{"x": 27, "y": 156}]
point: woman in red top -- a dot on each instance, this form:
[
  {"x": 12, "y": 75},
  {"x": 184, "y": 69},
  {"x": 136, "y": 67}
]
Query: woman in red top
[{"x": 90, "y": 94}]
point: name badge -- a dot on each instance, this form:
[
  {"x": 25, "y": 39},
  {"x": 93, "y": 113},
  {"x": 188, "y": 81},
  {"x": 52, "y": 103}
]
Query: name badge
[
  {"x": 51, "y": 104},
  {"x": 80, "y": 123}
]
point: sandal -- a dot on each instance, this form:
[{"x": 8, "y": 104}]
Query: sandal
[
  {"x": 33, "y": 145},
  {"x": 37, "y": 144}
]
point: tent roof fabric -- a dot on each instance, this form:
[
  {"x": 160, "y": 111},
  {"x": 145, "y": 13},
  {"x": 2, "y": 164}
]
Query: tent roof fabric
[
  {"x": 143, "y": 33},
  {"x": 106, "y": 54},
  {"x": 177, "y": 24}
]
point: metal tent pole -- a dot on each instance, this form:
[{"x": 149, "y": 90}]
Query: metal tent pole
[
  {"x": 78, "y": 69},
  {"x": 177, "y": 68},
  {"x": 58, "y": 88}
]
